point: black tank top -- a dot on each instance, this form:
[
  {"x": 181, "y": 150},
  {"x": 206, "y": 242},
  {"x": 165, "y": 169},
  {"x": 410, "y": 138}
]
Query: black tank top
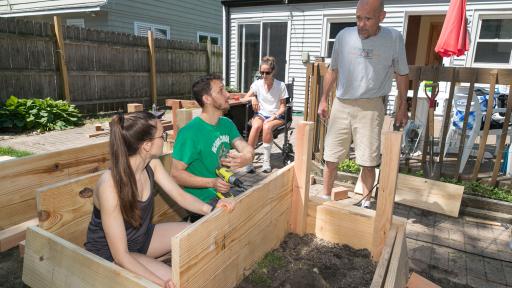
[{"x": 137, "y": 237}]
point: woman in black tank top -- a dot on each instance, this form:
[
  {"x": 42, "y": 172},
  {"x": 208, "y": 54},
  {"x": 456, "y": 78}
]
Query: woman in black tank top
[{"x": 120, "y": 229}]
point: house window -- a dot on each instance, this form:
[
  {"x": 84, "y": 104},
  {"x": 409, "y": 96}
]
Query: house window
[
  {"x": 494, "y": 42},
  {"x": 203, "y": 37},
  {"x": 75, "y": 22},
  {"x": 160, "y": 31},
  {"x": 333, "y": 28}
]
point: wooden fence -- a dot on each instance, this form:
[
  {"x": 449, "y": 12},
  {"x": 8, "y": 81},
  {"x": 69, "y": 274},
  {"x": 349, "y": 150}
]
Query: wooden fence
[
  {"x": 453, "y": 75},
  {"x": 106, "y": 70}
]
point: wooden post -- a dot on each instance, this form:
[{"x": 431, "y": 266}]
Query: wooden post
[
  {"x": 307, "y": 94},
  {"x": 483, "y": 138},
  {"x": 301, "y": 178},
  {"x": 152, "y": 63},
  {"x": 387, "y": 187},
  {"x": 465, "y": 123},
  {"x": 62, "y": 57},
  {"x": 134, "y": 107},
  {"x": 503, "y": 138},
  {"x": 183, "y": 116},
  {"x": 209, "y": 51}
]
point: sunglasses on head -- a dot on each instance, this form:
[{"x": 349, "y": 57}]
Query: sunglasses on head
[{"x": 265, "y": 72}]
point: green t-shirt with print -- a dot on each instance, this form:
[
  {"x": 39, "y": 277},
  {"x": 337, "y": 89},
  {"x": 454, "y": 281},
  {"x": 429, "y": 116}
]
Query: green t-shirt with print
[{"x": 200, "y": 146}]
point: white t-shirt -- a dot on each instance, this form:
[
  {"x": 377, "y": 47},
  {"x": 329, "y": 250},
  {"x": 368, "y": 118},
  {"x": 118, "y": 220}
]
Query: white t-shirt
[
  {"x": 269, "y": 101},
  {"x": 366, "y": 67}
]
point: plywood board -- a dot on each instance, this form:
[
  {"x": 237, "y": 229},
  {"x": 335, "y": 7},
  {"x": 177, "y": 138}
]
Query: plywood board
[
  {"x": 20, "y": 178},
  {"x": 51, "y": 261},
  {"x": 426, "y": 194},
  {"x": 219, "y": 249}
]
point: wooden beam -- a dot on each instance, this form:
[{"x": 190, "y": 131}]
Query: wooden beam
[
  {"x": 11, "y": 236},
  {"x": 152, "y": 63},
  {"x": 398, "y": 271},
  {"x": 416, "y": 281},
  {"x": 463, "y": 74},
  {"x": 22, "y": 176},
  {"x": 183, "y": 116},
  {"x": 387, "y": 189},
  {"x": 219, "y": 249},
  {"x": 382, "y": 267},
  {"x": 301, "y": 181},
  {"x": 307, "y": 93},
  {"x": 134, "y": 107},
  {"x": 483, "y": 138},
  {"x": 51, "y": 261},
  {"x": 62, "y": 57}
]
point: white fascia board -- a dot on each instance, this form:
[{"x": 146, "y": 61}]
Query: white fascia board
[{"x": 85, "y": 6}]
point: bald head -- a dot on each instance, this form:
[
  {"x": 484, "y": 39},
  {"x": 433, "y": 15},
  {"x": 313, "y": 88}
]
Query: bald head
[
  {"x": 369, "y": 15},
  {"x": 375, "y": 4}
]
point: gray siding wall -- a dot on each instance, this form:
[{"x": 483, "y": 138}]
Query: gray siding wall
[
  {"x": 308, "y": 29},
  {"x": 185, "y": 18}
]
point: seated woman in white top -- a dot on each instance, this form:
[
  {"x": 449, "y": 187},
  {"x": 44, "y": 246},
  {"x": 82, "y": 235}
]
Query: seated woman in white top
[{"x": 268, "y": 97}]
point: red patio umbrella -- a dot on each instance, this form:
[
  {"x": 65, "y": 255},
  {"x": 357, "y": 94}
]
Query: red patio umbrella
[{"x": 454, "y": 35}]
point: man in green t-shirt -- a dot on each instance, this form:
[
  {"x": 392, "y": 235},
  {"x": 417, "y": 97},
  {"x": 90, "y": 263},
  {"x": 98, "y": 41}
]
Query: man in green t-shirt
[{"x": 205, "y": 143}]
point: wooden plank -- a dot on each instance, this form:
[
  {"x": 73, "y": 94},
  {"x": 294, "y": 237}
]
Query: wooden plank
[
  {"x": 301, "y": 181},
  {"x": 431, "y": 195},
  {"x": 416, "y": 281},
  {"x": 387, "y": 189},
  {"x": 152, "y": 63},
  {"x": 501, "y": 145},
  {"x": 11, "y": 236},
  {"x": 22, "y": 176},
  {"x": 307, "y": 93},
  {"x": 446, "y": 120},
  {"x": 62, "y": 57},
  {"x": 464, "y": 74},
  {"x": 483, "y": 138},
  {"x": 465, "y": 124},
  {"x": 134, "y": 107},
  {"x": 217, "y": 250},
  {"x": 51, "y": 261},
  {"x": 65, "y": 208},
  {"x": 21, "y": 247},
  {"x": 183, "y": 116},
  {"x": 382, "y": 267},
  {"x": 398, "y": 271}
]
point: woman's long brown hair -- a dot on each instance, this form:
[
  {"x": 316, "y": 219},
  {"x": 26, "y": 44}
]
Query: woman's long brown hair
[{"x": 127, "y": 133}]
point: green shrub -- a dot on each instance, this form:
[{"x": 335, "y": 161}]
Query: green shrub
[
  {"x": 38, "y": 114},
  {"x": 349, "y": 166}
]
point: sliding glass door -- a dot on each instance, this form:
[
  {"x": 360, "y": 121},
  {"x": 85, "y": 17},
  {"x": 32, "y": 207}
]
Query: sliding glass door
[{"x": 256, "y": 41}]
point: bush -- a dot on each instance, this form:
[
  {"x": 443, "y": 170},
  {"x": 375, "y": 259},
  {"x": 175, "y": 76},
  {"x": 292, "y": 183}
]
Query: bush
[
  {"x": 38, "y": 114},
  {"x": 349, "y": 166}
]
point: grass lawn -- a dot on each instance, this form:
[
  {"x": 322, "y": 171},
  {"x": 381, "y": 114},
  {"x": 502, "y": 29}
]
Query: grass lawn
[{"x": 8, "y": 151}]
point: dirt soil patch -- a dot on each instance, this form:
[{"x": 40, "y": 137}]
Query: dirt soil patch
[
  {"x": 312, "y": 262},
  {"x": 11, "y": 265}
]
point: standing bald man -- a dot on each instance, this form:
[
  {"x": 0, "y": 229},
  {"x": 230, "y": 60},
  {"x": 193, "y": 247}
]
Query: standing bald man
[{"x": 364, "y": 60}]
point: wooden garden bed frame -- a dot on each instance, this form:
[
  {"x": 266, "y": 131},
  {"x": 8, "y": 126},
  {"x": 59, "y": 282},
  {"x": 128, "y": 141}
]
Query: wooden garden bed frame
[{"x": 221, "y": 248}]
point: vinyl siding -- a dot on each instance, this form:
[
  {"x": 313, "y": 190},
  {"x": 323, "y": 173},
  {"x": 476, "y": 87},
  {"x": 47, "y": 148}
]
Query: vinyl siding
[
  {"x": 185, "y": 18},
  {"x": 307, "y": 30}
]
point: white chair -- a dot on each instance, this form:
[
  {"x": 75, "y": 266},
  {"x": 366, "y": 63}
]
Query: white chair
[{"x": 473, "y": 127}]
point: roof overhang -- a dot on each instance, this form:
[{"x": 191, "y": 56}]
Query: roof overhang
[
  {"x": 17, "y": 10},
  {"x": 249, "y": 3}
]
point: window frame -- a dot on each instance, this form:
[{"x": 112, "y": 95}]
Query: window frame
[
  {"x": 476, "y": 32},
  {"x": 136, "y": 24},
  {"x": 346, "y": 18},
  {"x": 209, "y": 35}
]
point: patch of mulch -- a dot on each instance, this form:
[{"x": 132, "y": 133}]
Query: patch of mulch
[
  {"x": 11, "y": 265},
  {"x": 312, "y": 262}
]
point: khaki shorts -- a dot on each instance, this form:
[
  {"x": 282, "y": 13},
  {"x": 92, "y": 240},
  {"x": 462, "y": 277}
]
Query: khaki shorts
[{"x": 359, "y": 121}]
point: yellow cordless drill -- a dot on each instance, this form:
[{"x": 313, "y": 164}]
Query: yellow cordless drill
[{"x": 230, "y": 178}]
